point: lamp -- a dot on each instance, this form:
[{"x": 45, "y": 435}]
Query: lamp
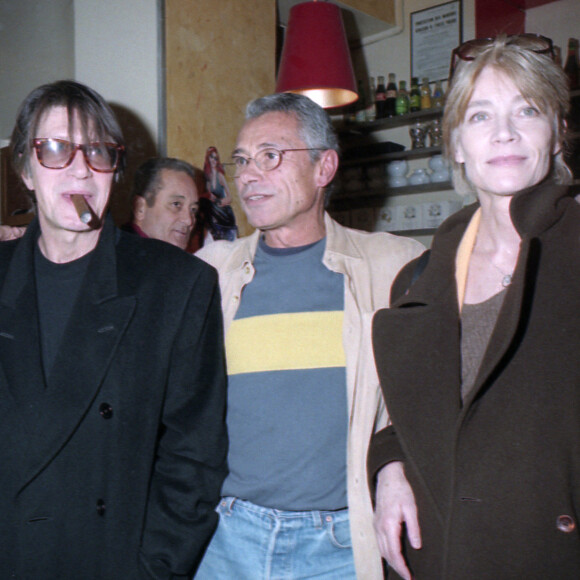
[{"x": 316, "y": 59}]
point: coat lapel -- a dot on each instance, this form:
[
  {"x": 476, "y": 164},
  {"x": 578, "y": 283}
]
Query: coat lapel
[
  {"x": 421, "y": 336},
  {"x": 533, "y": 211},
  {"x": 97, "y": 323},
  {"x": 21, "y": 372}
]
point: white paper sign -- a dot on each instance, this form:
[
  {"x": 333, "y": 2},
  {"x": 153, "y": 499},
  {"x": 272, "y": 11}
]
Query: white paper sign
[{"x": 435, "y": 32}]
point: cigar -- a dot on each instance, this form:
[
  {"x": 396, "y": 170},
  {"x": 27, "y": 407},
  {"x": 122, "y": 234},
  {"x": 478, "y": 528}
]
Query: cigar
[{"x": 84, "y": 210}]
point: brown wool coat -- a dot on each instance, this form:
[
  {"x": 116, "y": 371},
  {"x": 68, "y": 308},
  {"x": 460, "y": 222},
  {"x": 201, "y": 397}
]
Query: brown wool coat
[{"x": 497, "y": 479}]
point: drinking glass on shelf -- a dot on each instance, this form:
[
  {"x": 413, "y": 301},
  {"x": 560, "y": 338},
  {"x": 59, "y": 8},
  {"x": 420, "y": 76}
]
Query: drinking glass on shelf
[
  {"x": 418, "y": 133},
  {"x": 435, "y": 133}
]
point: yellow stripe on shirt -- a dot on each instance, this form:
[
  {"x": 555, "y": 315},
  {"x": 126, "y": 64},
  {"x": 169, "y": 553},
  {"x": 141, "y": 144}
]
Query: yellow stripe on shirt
[{"x": 279, "y": 342}]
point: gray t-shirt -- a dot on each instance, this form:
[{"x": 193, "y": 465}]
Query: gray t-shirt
[{"x": 287, "y": 402}]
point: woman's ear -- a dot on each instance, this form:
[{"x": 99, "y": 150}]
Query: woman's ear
[
  {"x": 458, "y": 156},
  {"x": 559, "y": 138}
]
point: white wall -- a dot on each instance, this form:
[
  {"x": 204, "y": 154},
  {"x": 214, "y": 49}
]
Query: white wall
[
  {"x": 559, "y": 21},
  {"x": 392, "y": 54},
  {"x": 111, "y": 46},
  {"x": 116, "y": 50},
  {"x": 36, "y": 47}
]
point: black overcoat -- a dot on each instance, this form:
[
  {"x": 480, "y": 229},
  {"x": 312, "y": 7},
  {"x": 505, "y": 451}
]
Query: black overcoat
[
  {"x": 111, "y": 466},
  {"x": 497, "y": 478}
]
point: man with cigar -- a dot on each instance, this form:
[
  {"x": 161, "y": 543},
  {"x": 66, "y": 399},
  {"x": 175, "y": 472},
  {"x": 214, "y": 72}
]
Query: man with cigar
[
  {"x": 112, "y": 435},
  {"x": 303, "y": 396},
  {"x": 165, "y": 200}
]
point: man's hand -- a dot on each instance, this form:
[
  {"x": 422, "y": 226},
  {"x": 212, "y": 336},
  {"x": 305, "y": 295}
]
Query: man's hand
[
  {"x": 395, "y": 506},
  {"x": 10, "y": 233}
]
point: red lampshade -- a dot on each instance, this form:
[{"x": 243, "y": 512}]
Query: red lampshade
[{"x": 316, "y": 59}]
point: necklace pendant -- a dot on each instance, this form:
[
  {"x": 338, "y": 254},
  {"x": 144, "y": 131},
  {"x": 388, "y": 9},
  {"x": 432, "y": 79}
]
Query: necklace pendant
[{"x": 506, "y": 280}]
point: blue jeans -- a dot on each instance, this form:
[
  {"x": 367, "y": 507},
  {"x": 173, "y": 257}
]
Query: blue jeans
[{"x": 258, "y": 543}]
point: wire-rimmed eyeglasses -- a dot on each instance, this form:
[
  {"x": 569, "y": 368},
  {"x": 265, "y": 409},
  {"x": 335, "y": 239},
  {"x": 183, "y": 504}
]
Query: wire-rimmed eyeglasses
[
  {"x": 58, "y": 153},
  {"x": 471, "y": 49},
  {"x": 266, "y": 160}
]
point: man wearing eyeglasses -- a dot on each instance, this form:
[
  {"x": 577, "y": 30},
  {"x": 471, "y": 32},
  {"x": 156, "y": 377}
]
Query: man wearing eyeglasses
[
  {"x": 112, "y": 382},
  {"x": 303, "y": 397}
]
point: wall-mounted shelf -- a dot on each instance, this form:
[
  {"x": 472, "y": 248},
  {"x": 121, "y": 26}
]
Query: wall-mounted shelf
[
  {"x": 386, "y": 157},
  {"x": 358, "y": 154},
  {"x": 413, "y": 233},
  {"x": 353, "y": 129},
  {"x": 376, "y": 197},
  {"x": 365, "y": 199}
]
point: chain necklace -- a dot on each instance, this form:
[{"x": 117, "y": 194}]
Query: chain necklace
[{"x": 506, "y": 279}]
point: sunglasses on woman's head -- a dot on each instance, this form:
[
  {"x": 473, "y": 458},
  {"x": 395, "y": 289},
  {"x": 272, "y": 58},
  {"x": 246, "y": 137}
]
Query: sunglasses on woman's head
[{"x": 471, "y": 49}]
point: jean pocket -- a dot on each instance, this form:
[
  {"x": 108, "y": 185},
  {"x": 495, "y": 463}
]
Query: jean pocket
[{"x": 339, "y": 532}]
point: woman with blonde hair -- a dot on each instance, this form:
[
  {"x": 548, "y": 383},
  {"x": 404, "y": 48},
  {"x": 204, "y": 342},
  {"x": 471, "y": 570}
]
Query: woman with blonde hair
[{"x": 478, "y": 360}]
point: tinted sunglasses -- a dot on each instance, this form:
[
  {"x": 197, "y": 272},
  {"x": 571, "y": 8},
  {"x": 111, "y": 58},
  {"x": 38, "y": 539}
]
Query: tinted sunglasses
[
  {"x": 58, "y": 154},
  {"x": 471, "y": 49}
]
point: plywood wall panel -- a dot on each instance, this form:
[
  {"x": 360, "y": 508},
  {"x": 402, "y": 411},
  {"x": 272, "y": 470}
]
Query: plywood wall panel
[
  {"x": 219, "y": 56},
  {"x": 382, "y": 9}
]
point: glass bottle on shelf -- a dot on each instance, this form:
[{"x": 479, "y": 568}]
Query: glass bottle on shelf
[
  {"x": 438, "y": 95},
  {"x": 380, "y": 97},
  {"x": 425, "y": 94},
  {"x": 371, "y": 110},
  {"x": 571, "y": 66},
  {"x": 402, "y": 102},
  {"x": 391, "y": 96},
  {"x": 414, "y": 96},
  {"x": 361, "y": 104}
]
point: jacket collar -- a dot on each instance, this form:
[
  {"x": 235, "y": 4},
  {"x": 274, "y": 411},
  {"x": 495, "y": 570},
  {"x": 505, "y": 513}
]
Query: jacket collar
[
  {"x": 538, "y": 208},
  {"x": 242, "y": 252},
  {"x": 533, "y": 210},
  {"x": 337, "y": 242},
  {"x": 98, "y": 321},
  {"x": 103, "y": 267},
  {"x": 338, "y": 247}
]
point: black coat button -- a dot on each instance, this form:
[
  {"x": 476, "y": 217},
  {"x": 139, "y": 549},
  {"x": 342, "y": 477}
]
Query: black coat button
[
  {"x": 101, "y": 507},
  {"x": 106, "y": 410},
  {"x": 565, "y": 524}
]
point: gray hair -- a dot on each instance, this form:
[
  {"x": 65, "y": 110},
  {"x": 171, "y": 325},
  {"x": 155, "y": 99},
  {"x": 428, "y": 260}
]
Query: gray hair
[{"x": 315, "y": 126}]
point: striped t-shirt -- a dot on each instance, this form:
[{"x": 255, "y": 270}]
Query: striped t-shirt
[{"x": 287, "y": 404}]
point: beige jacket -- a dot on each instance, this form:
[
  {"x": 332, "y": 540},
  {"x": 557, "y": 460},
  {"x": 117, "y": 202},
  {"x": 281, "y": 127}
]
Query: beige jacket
[{"x": 369, "y": 263}]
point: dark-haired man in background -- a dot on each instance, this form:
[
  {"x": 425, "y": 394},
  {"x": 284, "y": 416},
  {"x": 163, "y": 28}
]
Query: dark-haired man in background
[{"x": 165, "y": 200}]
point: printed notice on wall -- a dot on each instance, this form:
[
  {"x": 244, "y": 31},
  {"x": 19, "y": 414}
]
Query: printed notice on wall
[{"x": 435, "y": 32}]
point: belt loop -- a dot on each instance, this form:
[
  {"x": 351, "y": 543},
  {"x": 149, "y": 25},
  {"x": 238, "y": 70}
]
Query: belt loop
[
  {"x": 317, "y": 519},
  {"x": 228, "y": 504}
]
